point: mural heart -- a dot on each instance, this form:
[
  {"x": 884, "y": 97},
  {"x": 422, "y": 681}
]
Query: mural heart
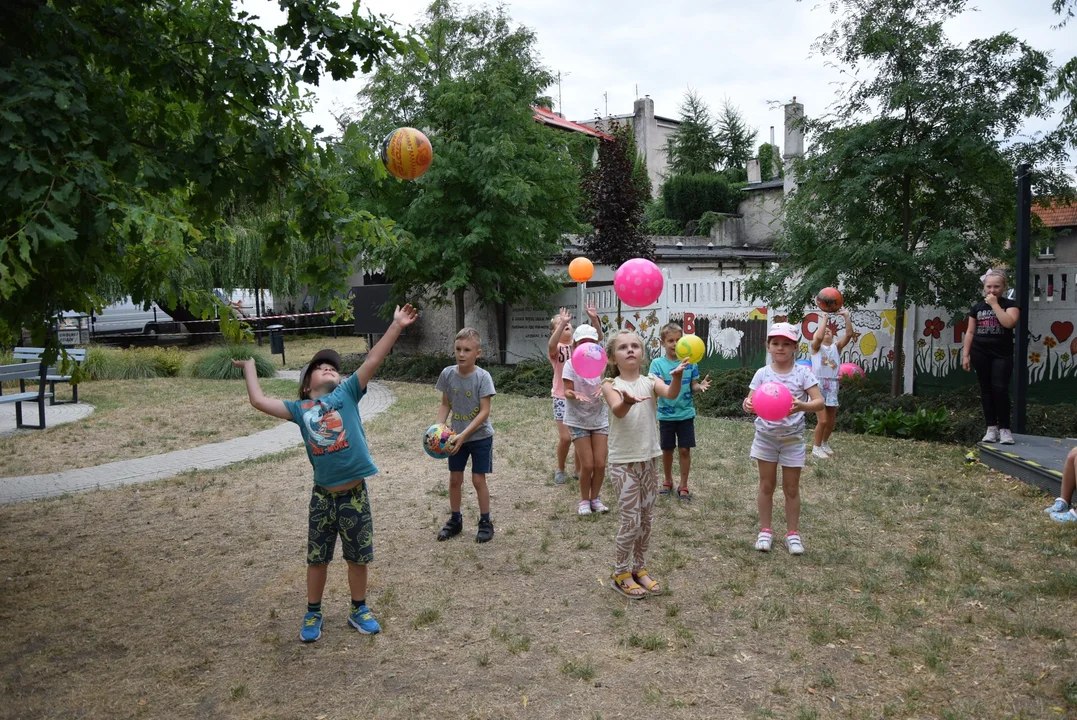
[{"x": 1062, "y": 330}]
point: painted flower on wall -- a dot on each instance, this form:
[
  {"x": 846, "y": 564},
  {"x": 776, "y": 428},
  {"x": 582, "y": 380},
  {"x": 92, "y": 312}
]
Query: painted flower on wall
[
  {"x": 1034, "y": 358},
  {"x": 868, "y": 344},
  {"x": 890, "y": 356},
  {"x": 1065, "y": 357},
  {"x": 1049, "y": 342},
  {"x": 803, "y": 348},
  {"x": 940, "y": 355},
  {"x": 921, "y": 343},
  {"x": 934, "y": 327},
  {"x": 953, "y": 352}
]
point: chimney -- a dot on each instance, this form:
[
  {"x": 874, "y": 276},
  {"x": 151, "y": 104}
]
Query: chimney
[
  {"x": 753, "y": 171},
  {"x": 794, "y": 142}
]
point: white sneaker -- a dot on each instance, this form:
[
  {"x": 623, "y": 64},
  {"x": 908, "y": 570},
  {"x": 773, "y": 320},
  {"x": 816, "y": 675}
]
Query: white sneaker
[
  {"x": 762, "y": 543},
  {"x": 793, "y": 542},
  {"x": 1005, "y": 437},
  {"x": 584, "y": 508},
  {"x": 991, "y": 435},
  {"x": 818, "y": 452},
  {"x": 1060, "y": 506},
  {"x": 827, "y": 449},
  {"x": 598, "y": 507}
]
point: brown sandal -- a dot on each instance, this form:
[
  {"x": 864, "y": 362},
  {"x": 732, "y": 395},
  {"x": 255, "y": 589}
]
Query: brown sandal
[
  {"x": 647, "y": 582},
  {"x": 625, "y": 584}
]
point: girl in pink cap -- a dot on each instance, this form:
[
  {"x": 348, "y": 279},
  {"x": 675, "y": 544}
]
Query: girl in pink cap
[{"x": 781, "y": 442}]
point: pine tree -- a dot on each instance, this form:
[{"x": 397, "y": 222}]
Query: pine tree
[
  {"x": 735, "y": 138},
  {"x": 693, "y": 147}
]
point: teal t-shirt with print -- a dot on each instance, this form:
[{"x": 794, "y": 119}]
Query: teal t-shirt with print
[
  {"x": 333, "y": 434},
  {"x": 683, "y": 408}
]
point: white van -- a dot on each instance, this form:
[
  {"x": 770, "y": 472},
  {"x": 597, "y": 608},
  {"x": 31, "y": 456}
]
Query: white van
[{"x": 129, "y": 318}]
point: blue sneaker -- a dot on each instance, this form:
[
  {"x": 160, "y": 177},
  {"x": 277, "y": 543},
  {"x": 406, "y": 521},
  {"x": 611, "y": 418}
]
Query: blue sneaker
[
  {"x": 363, "y": 620},
  {"x": 312, "y": 627},
  {"x": 1065, "y": 517},
  {"x": 1060, "y": 506}
]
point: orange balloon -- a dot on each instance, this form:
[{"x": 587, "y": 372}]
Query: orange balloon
[
  {"x": 581, "y": 269},
  {"x": 407, "y": 153}
]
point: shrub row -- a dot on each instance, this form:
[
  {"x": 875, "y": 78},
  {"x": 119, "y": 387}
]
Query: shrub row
[
  {"x": 105, "y": 363},
  {"x": 866, "y": 406}
]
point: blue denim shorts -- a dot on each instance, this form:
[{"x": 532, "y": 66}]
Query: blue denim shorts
[{"x": 481, "y": 453}]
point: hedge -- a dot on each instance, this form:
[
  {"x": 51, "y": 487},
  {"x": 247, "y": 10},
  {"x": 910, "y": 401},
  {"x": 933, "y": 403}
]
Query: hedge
[{"x": 687, "y": 197}]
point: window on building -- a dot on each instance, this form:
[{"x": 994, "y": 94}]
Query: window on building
[{"x": 1047, "y": 251}]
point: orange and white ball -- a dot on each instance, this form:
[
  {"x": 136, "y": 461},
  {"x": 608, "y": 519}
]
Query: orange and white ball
[{"x": 407, "y": 153}]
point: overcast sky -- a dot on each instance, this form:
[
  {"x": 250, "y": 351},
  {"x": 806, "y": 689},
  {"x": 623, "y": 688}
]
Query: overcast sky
[{"x": 752, "y": 51}]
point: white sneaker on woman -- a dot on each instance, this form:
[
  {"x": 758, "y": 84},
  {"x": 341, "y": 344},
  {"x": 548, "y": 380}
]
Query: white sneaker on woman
[
  {"x": 991, "y": 435},
  {"x": 1005, "y": 437}
]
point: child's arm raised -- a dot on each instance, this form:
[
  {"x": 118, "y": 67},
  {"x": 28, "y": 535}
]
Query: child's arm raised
[
  {"x": 820, "y": 331},
  {"x": 673, "y": 390},
  {"x": 592, "y": 312},
  {"x": 402, "y": 317},
  {"x": 563, "y": 319},
  {"x": 814, "y": 404},
  {"x": 270, "y": 406},
  {"x": 847, "y": 336}
]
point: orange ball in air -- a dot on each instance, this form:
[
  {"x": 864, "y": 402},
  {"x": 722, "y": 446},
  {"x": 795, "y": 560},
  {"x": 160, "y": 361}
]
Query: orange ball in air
[
  {"x": 829, "y": 300},
  {"x": 581, "y": 269},
  {"x": 407, "y": 153}
]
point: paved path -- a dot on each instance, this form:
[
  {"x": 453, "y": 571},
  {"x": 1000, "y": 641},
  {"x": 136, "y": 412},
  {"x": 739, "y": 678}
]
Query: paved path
[
  {"x": 156, "y": 467},
  {"x": 54, "y": 415}
]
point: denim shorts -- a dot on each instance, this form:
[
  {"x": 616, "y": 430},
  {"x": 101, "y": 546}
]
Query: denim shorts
[
  {"x": 481, "y": 453},
  {"x": 677, "y": 433},
  {"x": 579, "y": 433},
  {"x": 346, "y": 514}
]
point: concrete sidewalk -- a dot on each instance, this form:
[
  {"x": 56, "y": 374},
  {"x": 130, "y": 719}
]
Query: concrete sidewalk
[{"x": 156, "y": 467}]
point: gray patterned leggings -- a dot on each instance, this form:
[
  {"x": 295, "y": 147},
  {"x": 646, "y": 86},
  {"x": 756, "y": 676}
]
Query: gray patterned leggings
[{"x": 636, "y": 485}]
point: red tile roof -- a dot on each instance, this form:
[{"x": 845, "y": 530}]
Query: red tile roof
[
  {"x": 554, "y": 120},
  {"x": 1057, "y": 215}
]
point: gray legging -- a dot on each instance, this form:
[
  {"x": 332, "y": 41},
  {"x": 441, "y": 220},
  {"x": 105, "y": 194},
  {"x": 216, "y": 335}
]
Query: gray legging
[{"x": 994, "y": 373}]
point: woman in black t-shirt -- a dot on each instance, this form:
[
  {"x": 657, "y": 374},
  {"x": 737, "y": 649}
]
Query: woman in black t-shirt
[{"x": 989, "y": 350}]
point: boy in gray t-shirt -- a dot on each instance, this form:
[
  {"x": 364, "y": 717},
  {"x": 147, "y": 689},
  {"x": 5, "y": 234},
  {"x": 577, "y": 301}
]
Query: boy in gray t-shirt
[{"x": 466, "y": 390}]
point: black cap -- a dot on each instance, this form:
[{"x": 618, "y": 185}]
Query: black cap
[{"x": 327, "y": 355}]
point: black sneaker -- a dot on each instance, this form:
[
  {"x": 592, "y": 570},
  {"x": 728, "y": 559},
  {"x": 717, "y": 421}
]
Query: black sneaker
[
  {"x": 452, "y": 529},
  {"x": 486, "y": 531}
]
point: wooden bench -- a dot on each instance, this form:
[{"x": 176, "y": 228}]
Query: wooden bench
[
  {"x": 23, "y": 372},
  {"x": 53, "y": 376}
]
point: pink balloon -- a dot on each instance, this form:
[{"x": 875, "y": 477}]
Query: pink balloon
[
  {"x": 638, "y": 282},
  {"x": 772, "y": 401},
  {"x": 850, "y": 370},
  {"x": 589, "y": 360}
]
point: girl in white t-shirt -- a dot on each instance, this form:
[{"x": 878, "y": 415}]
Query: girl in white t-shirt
[
  {"x": 825, "y": 361},
  {"x": 782, "y": 441},
  {"x": 633, "y": 447}
]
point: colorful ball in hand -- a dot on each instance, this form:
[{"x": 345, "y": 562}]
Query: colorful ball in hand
[
  {"x": 581, "y": 269},
  {"x": 589, "y": 360},
  {"x": 772, "y": 401},
  {"x": 437, "y": 441},
  {"x": 829, "y": 300},
  {"x": 690, "y": 348},
  {"x": 850, "y": 370},
  {"x": 407, "y": 153},
  {"x": 638, "y": 282}
]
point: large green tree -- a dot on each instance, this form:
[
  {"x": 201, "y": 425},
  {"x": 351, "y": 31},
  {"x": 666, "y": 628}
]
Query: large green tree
[
  {"x": 503, "y": 189},
  {"x": 693, "y": 148},
  {"x": 735, "y": 140},
  {"x": 128, "y": 129},
  {"x": 909, "y": 184}
]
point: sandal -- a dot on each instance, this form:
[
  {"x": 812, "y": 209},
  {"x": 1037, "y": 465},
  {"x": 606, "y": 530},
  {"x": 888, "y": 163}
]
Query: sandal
[
  {"x": 684, "y": 495},
  {"x": 625, "y": 584},
  {"x": 667, "y": 488},
  {"x": 645, "y": 581}
]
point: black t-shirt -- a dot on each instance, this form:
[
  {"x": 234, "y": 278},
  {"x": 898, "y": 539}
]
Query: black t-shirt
[{"x": 990, "y": 336}]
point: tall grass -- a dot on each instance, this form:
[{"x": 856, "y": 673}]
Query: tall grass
[
  {"x": 216, "y": 364},
  {"x": 104, "y": 363}
]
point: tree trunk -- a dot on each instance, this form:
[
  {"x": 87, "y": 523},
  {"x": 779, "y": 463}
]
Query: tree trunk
[
  {"x": 459, "y": 303},
  {"x": 503, "y": 332},
  {"x": 897, "y": 378}
]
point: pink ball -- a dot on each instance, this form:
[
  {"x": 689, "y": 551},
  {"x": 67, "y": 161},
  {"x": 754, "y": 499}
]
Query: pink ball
[
  {"x": 589, "y": 360},
  {"x": 772, "y": 401},
  {"x": 638, "y": 282},
  {"x": 850, "y": 370}
]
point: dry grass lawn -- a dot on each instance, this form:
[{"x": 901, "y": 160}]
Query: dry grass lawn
[
  {"x": 929, "y": 589},
  {"x": 135, "y": 418}
]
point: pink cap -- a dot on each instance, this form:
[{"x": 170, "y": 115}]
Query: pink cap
[{"x": 781, "y": 329}]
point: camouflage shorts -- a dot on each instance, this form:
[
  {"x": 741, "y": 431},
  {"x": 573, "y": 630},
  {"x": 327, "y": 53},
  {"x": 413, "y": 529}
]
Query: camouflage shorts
[{"x": 346, "y": 514}]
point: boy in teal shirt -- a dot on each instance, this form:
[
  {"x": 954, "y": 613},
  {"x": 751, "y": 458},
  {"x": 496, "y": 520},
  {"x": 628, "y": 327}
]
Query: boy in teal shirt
[
  {"x": 676, "y": 418},
  {"x": 327, "y": 414}
]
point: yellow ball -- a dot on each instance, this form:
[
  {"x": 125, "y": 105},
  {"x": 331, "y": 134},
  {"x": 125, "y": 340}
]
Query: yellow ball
[
  {"x": 691, "y": 348},
  {"x": 407, "y": 153}
]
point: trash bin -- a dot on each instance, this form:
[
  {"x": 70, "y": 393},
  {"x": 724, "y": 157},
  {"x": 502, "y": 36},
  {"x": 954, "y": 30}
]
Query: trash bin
[{"x": 276, "y": 340}]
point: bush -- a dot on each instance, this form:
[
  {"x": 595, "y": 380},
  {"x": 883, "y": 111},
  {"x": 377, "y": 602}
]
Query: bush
[
  {"x": 707, "y": 221},
  {"x": 922, "y": 425},
  {"x": 727, "y": 391},
  {"x": 216, "y": 364},
  {"x": 687, "y": 197},
  {"x": 665, "y": 226},
  {"x": 133, "y": 364}
]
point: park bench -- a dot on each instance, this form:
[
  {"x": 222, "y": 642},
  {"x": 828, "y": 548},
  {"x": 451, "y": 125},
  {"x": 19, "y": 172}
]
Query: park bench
[
  {"x": 53, "y": 376},
  {"x": 23, "y": 372}
]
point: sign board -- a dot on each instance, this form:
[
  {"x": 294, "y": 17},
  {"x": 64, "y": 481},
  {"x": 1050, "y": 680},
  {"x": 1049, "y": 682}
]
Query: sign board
[{"x": 69, "y": 338}]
